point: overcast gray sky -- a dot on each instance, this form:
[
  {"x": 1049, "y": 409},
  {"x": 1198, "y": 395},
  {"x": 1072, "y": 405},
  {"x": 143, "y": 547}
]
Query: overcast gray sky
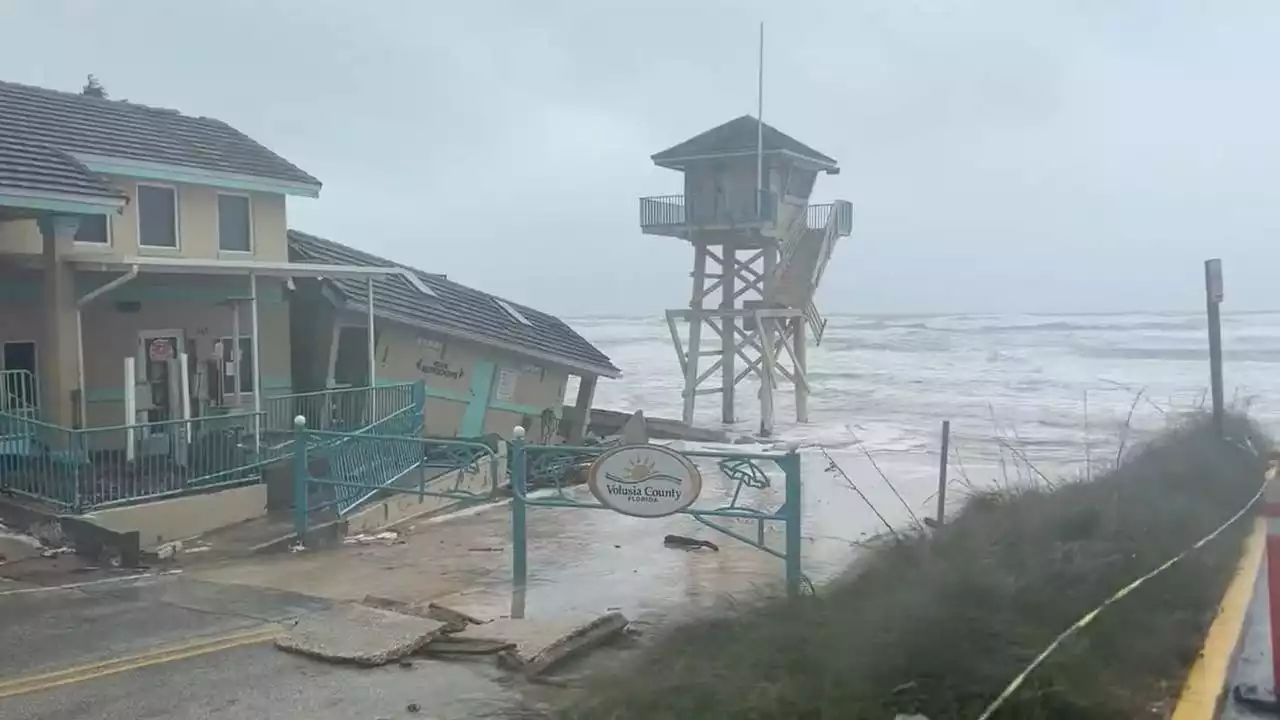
[{"x": 1000, "y": 155}]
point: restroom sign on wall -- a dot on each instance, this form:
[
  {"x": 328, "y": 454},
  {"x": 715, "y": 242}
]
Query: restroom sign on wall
[{"x": 160, "y": 350}]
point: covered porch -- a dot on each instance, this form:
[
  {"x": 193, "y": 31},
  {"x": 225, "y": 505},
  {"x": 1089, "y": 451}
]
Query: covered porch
[{"x": 173, "y": 377}]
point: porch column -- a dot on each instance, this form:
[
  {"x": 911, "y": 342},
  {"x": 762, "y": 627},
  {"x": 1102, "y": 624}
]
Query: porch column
[
  {"x": 256, "y": 345},
  {"x": 582, "y": 409},
  {"x": 59, "y": 352}
]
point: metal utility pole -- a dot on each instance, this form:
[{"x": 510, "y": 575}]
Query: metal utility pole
[{"x": 1213, "y": 299}]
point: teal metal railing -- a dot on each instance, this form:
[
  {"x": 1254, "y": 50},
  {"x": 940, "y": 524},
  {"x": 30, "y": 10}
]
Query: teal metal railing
[
  {"x": 94, "y": 468},
  {"x": 79, "y": 470},
  {"x": 344, "y": 409},
  {"x": 372, "y": 458}
]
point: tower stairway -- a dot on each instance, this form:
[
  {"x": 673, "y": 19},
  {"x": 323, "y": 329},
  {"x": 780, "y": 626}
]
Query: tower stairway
[{"x": 806, "y": 247}]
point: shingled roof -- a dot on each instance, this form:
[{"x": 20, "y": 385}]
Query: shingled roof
[
  {"x": 27, "y": 169},
  {"x": 737, "y": 137},
  {"x": 113, "y": 128},
  {"x": 453, "y": 309}
]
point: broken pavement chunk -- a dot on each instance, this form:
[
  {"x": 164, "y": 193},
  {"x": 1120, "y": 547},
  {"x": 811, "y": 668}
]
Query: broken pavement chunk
[
  {"x": 360, "y": 635},
  {"x": 542, "y": 643}
]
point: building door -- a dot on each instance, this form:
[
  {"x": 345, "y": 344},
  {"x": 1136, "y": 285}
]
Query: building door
[
  {"x": 158, "y": 385},
  {"x": 20, "y": 391}
]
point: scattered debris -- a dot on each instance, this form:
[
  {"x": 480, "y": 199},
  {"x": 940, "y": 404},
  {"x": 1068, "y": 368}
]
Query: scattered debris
[
  {"x": 454, "y": 645},
  {"x": 169, "y": 549},
  {"x": 688, "y": 543},
  {"x": 541, "y": 644},
  {"x": 359, "y": 634},
  {"x": 386, "y": 537},
  {"x": 454, "y": 621}
]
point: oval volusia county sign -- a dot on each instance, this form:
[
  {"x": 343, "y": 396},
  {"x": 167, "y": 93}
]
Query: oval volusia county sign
[{"x": 644, "y": 480}]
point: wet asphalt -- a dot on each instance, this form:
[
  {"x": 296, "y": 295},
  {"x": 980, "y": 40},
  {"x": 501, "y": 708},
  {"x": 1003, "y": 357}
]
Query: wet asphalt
[
  {"x": 48, "y": 630},
  {"x": 580, "y": 561}
]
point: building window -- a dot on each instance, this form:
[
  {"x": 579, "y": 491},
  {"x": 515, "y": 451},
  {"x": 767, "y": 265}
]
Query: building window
[
  {"x": 513, "y": 313},
  {"x": 94, "y": 230},
  {"x": 229, "y": 365},
  {"x": 157, "y": 216},
  {"x": 235, "y": 224}
]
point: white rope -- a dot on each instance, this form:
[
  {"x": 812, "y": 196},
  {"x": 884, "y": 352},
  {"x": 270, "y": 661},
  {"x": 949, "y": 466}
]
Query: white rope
[{"x": 1088, "y": 618}]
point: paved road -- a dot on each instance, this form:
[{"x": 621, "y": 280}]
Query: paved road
[
  {"x": 176, "y": 647},
  {"x": 1253, "y": 664}
]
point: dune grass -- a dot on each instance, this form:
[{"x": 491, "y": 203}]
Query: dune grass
[{"x": 938, "y": 624}]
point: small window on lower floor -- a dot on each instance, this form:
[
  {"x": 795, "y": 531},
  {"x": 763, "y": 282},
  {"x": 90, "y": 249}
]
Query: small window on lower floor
[
  {"x": 229, "y": 363},
  {"x": 94, "y": 230}
]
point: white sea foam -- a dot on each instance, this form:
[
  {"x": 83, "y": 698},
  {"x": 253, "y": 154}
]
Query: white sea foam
[{"x": 886, "y": 383}]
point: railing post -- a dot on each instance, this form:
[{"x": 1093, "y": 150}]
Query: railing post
[
  {"x": 519, "y": 530},
  {"x": 74, "y": 447},
  {"x": 301, "y": 476},
  {"x": 794, "y": 510}
]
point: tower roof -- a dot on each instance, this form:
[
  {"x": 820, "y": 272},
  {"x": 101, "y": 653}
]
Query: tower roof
[{"x": 738, "y": 137}]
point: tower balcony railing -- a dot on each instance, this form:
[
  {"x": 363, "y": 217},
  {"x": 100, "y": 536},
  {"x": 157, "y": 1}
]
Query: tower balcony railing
[
  {"x": 662, "y": 211},
  {"x": 672, "y": 214},
  {"x": 819, "y": 215},
  {"x": 664, "y": 214}
]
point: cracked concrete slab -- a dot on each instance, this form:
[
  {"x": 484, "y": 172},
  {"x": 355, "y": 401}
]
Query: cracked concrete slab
[
  {"x": 360, "y": 635},
  {"x": 541, "y": 643}
]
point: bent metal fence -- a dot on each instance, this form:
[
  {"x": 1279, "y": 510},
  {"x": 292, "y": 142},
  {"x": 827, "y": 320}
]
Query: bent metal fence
[
  {"x": 654, "y": 481},
  {"x": 384, "y": 461},
  {"x": 95, "y": 468}
]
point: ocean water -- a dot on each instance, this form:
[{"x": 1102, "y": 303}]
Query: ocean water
[{"x": 1058, "y": 393}]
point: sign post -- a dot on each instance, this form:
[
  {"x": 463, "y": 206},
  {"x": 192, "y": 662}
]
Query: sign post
[{"x": 1213, "y": 299}]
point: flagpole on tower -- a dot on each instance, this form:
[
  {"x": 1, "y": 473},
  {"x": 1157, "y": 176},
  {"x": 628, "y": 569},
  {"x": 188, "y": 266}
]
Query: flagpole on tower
[{"x": 760, "y": 125}]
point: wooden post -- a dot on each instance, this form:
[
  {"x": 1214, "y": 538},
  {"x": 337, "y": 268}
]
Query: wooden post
[
  {"x": 799, "y": 353},
  {"x": 695, "y": 332},
  {"x": 1213, "y": 299},
  {"x": 728, "y": 339},
  {"x": 942, "y": 472},
  {"x": 582, "y": 409}
]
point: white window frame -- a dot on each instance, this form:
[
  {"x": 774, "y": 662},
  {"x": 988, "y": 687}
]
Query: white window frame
[
  {"x": 228, "y": 381},
  {"x": 512, "y": 312},
  {"x": 218, "y": 212},
  {"x": 110, "y": 235},
  {"x": 177, "y": 218}
]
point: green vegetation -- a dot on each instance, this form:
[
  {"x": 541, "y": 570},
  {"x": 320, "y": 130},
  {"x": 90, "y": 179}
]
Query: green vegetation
[{"x": 939, "y": 624}]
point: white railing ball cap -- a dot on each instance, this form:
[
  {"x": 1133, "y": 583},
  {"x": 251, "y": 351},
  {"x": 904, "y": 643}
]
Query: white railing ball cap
[
  {"x": 300, "y": 421},
  {"x": 518, "y": 432}
]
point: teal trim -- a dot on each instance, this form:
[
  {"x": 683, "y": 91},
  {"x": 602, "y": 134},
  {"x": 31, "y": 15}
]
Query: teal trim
[
  {"x": 106, "y": 207},
  {"x": 520, "y": 409},
  {"x": 481, "y": 387},
  {"x": 454, "y": 395},
  {"x": 469, "y": 396},
  {"x": 270, "y": 386},
  {"x": 142, "y": 290},
  {"x": 195, "y": 176}
]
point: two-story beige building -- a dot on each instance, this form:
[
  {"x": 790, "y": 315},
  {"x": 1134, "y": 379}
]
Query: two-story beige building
[
  {"x": 140, "y": 247},
  {"x": 133, "y": 238}
]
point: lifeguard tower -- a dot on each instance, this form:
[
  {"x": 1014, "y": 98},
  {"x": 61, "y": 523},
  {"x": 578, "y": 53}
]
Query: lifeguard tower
[{"x": 760, "y": 247}]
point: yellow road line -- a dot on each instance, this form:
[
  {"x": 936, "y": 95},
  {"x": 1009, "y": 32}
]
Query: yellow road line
[
  {"x": 1207, "y": 680},
  {"x": 158, "y": 656}
]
